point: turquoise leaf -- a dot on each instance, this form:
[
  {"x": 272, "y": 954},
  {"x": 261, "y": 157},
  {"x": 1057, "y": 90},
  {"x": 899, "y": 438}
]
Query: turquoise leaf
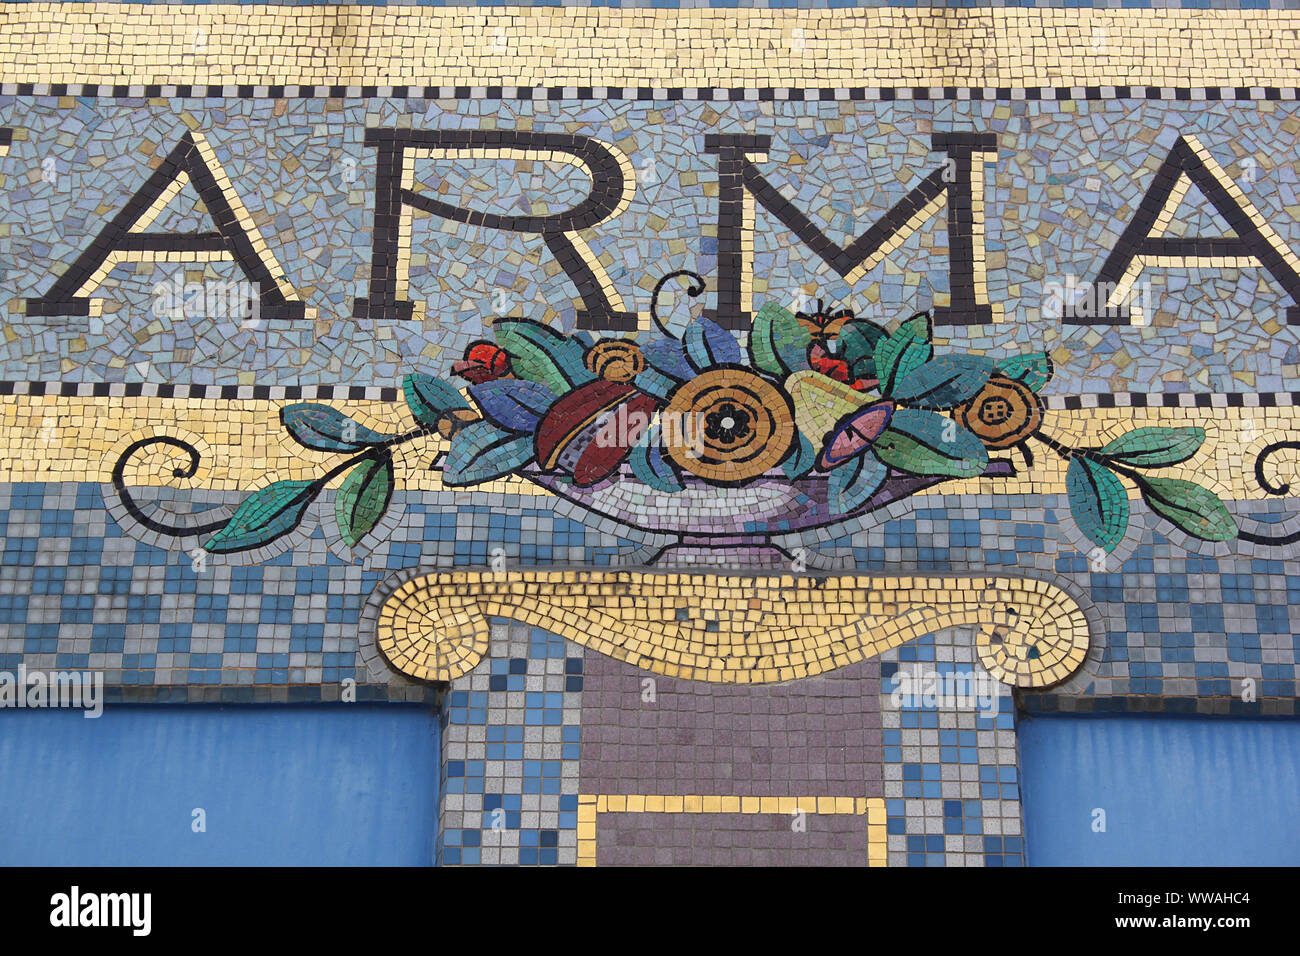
[
  {"x": 1155, "y": 446},
  {"x": 926, "y": 443},
  {"x": 651, "y": 467},
  {"x": 1033, "y": 369},
  {"x": 429, "y": 398},
  {"x": 265, "y": 515},
  {"x": 656, "y": 383},
  {"x": 944, "y": 382},
  {"x": 324, "y": 428},
  {"x": 541, "y": 354},
  {"x": 802, "y": 458},
  {"x": 852, "y": 484},
  {"x": 906, "y": 349},
  {"x": 481, "y": 452},
  {"x": 778, "y": 342},
  {"x": 856, "y": 344},
  {"x": 1098, "y": 502},
  {"x": 363, "y": 498},
  {"x": 1196, "y": 510}
]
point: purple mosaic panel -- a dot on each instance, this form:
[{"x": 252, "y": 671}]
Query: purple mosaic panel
[
  {"x": 729, "y": 839},
  {"x": 816, "y": 737}
]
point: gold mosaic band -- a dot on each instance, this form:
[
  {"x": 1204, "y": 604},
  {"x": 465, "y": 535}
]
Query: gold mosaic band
[
  {"x": 242, "y": 445},
  {"x": 734, "y": 629},
  {"x": 522, "y": 46},
  {"x": 591, "y": 805}
]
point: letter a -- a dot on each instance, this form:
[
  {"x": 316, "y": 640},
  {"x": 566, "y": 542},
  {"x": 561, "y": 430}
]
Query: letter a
[
  {"x": 125, "y": 239},
  {"x": 1144, "y": 244}
]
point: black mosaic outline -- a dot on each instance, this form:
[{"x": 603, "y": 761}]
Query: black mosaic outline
[
  {"x": 720, "y": 94},
  {"x": 373, "y": 450},
  {"x": 354, "y": 393}
]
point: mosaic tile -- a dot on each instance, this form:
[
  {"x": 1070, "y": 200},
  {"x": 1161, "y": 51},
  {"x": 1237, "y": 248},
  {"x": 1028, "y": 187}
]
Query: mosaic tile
[
  {"x": 728, "y": 415},
  {"x": 158, "y": 327},
  {"x": 733, "y": 629},
  {"x": 510, "y": 741},
  {"x": 737, "y": 762},
  {"x": 951, "y": 771},
  {"x": 649, "y": 47},
  {"x": 803, "y": 4}
]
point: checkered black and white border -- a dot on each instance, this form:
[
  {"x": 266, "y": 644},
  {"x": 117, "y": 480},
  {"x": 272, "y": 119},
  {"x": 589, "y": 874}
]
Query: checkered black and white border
[{"x": 707, "y": 93}]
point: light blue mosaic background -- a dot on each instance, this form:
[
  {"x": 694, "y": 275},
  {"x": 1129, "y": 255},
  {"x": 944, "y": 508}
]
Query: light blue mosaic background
[
  {"x": 1069, "y": 176},
  {"x": 511, "y": 735}
]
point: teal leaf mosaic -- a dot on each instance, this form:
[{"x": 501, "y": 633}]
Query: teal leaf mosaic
[
  {"x": 801, "y": 460},
  {"x": 363, "y": 497},
  {"x": 1033, "y": 368},
  {"x": 857, "y": 345},
  {"x": 927, "y": 443},
  {"x": 651, "y": 467},
  {"x": 943, "y": 382},
  {"x": 1196, "y": 510},
  {"x": 324, "y": 428},
  {"x": 430, "y": 398},
  {"x": 1154, "y": 447},
  {"x": 1098, "y": 501},
  {"x": 543, "y": 355},
  {"x": 480, "y": 452},
  {"x": 903, "y": 351},
  {"x": 855, "y": 481},
  {"x": 265, "y": 515},
  {"x": 778, "y": 342}
]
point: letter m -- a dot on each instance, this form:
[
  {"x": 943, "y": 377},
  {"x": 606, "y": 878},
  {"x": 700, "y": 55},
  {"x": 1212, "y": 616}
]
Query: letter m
[{"x": 958, "y": 185}]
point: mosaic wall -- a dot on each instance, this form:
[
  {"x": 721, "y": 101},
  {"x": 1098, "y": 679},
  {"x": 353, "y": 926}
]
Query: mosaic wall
[{"x": 730, "y": 418}]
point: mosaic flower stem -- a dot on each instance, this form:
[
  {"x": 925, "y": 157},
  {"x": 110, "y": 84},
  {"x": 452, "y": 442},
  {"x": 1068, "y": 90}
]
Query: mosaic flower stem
[{"x": 274, "y": 511}]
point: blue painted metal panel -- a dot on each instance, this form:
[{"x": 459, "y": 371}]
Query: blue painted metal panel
[
  {"x": 280, "y": 785},
  {"x": 1176, "y": 792}
]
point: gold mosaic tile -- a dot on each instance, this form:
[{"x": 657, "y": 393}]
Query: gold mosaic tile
[
  {"x": 734, "y": 629},
  {"x": 523, "y": 46},
  {"x": 241, "y": 444},
  {"x": 590, "y": 806}
]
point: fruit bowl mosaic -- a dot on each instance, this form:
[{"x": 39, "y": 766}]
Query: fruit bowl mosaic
[
  {"x": 819, "y": 417},
  {"x": 822, "y": 416}
]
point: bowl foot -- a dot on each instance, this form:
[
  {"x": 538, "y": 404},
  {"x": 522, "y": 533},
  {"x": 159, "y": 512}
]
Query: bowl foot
[{"x": 759, "y": 555}]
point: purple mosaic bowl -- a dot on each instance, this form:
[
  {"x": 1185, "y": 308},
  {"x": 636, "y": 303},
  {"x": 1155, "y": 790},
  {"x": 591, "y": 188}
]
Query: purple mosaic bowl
[{"x": 766, "y": 507}]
